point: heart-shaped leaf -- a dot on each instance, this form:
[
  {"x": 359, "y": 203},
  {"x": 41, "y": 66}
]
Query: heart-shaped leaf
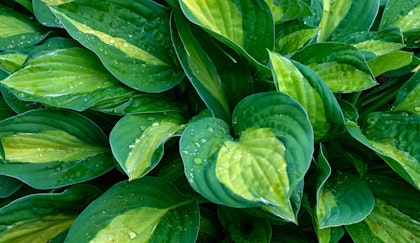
[
  {"x": 41, "y": 217},
  {"x": 17, "y": 30},
  {"x": 137, "y": 45},
  {"x": 245, "y": 25},
  {"x": 341, "y": 66},
  {"x": 137, "y": 140},
  {"x": 143, "y": 210},
  {"x": 53, "y": 148},
  {"x": 263, "y": 165},
  {"x": 305, "y": 86}
]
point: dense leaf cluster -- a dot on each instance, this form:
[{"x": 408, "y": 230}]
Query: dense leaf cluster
[{"x": 209, "y": 121}]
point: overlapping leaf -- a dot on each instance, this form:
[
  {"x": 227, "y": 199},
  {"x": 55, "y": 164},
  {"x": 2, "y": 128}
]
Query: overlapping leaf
[
  {"x": 8, "y": 186},
  {"x": 39, "y": 218},
  {"x": 18, "y": 30},
  {"x": 52, "y": 148},
  {"x": 137, "y": 140},
  {"x": 305, "y": 86},
  {"x": 266, "y": 162},
  {"x": 407, "y": 99},
  {"x": 341, "y": 66},
  {"x": 245, "y": 25},
  {"x": 291, "y": 36},
  {"x": 128, "y": 37},
  {"x": 285, "y": 10},
  {"x": 144, "y": 210}
]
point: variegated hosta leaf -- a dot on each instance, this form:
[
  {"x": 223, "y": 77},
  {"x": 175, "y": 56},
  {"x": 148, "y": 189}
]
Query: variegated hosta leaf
[
  {"x": 199, "y": 68},
  {"x": 10, "y": 62},
  {"x": 396, "y": 215},
  {"x": 137, "y": 140},
  {"x": 290, "y": 37},
  {"x": 404, "y": 14},
  {"x": 285, "y": 10},
  {"x": 407, "y": 99},
  {"x": 65, "y": 76},
  {"x": 245, "y": 25},
  {"x": 341, "y": 66},
  {"x": 53, "y": 148},
  {"x": 18, "y": 30},
  {"x": 135, "y": 48},
  {"x": 144, "y": 210},
  {"x": 346, "y": 16},
  {"x": 40, "y": 218},
  {"x": 306, "y": 87},
  {"x": 261, "y": 166}
]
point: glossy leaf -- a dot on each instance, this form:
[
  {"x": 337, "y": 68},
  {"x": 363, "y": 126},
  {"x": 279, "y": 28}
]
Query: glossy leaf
[
  {"x": 306, "y": 87},
  {"x": 390, "y": 61},
  {"x": 137, "y": 140},
  {"x": 393, "y": 136},
  {"x": 10, "y": 62},
  {"x": 69, "y": 77},
  {"x": 285, "y": 10},
  {"x": 407, "y": 99},
  {"x": 242, "y": 227},
  {"x": 52, "y": 148},
  {"x": 199, "y": 68},
  {"x": 144, "y": 210},
  {"x": 403, "y": 14},
  {"x": 18, "y": 30},
  {"x": 341, "y": 66},
  {"x": 396, "y": 214},
  {"x": 41, "y": 217},
  {"x": 267, "y": 137},
  {"x": 245, "y": 25},
  {"x": 137, "y": 45},
  {"x": 44, "y": 15},
  {"x": 290, "y": 37},
  {"x": 8, "y": 186}
]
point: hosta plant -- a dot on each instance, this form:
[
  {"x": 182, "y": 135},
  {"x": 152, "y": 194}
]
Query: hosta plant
[{"x": 209, "y": 121}]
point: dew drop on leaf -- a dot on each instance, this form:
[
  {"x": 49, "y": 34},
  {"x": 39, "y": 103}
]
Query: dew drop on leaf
[{"x": 198, "y": 161}]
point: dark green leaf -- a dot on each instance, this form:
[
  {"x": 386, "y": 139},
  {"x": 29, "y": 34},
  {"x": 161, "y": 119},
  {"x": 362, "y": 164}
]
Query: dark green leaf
[
  {"x": 8, "y": 186},
  {"x": 407, "y": 99},
  {"x": 285, "y": 10}
]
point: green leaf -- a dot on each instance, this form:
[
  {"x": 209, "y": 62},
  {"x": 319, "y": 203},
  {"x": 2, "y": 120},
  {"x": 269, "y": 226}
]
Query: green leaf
[
  {"x": 137, "y": 140},
  {"x": 290, "y": 37},
  {"x": 266, "y": 162},
  {"x": 137, "y": 45},
  {"x": 44, "y": 15},
  {"x": 200, "y": 69},
  {"x": 5, "y": 110},
  {"x": 10, "y": 62},
  {"x": 407, "y": 98},
  {"x": 306, "y": 87},
  {"x": 52, "y": 148},
  {"x": 245, "y": 25},
  {"x": 403, "y": 14},
  {"x": 242, "y": 227},
  {"x": 345, "y": 199},
  {"x": 341, "y": 66},
  {"x": 69, "y": 77},
  {"x": 18, "y": 30},
  {"x": 390, "y": 61},
  {"x": 285, "y": 10},
  {"x": 8, "y": 186},
  {"x": 333, "y": 13},
  {"x": 41, "y": 217},
  {"x": 16, "y": 104},
  {"x": 143, "y": 210}
]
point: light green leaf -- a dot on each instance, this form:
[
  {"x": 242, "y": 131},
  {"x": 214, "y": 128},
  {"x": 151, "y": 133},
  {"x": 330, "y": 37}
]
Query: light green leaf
[
  {"x": 10, "y": 62},
  {"x": 290, "y": 37},
  {"x": 245, "y": 25},
  {"x": 39, "y": 218},
  {"x": 137, "y": 45},
  {"x": 390, "y": 61},
  {"x": 333, "y": 13},
  {"x": 404, "y": 14},
  {"x": 137, "y": 140},
  {"x": 264, "y": 163},
  {"x": 285, "y": 10},
  {"x": 64, "y": 76},
  {"x": 52, "y": 148},
  {"x": 200, "y": 69},
  {"x": 306, "y": 87},
  {"x": 143, "y": 210},
  {"x": 341, "y": 66},
  {"x": 408, "y": 97},
  {"x": 18, "y": 30}
]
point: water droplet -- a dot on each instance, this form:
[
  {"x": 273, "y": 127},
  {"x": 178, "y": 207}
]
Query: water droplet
[
  {"x": 210, "y": 129},
  {"x": 203, "y": 140},
  {"x": 185, "y": 152},
  {"x": 132, "y": 235},
  {"x": 155, "y": 124},
  {"x": 198, "y": 161}
]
